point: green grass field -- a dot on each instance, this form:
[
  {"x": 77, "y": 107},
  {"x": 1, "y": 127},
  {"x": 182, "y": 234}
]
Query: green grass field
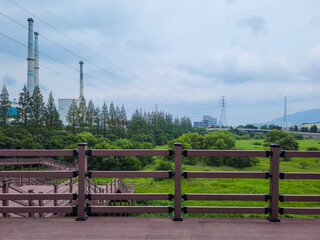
[{"x": 245, "y": 186}]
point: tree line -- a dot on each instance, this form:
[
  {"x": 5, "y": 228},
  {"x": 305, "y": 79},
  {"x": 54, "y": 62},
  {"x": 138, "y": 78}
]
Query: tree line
[{"x": 39, "y": 124}]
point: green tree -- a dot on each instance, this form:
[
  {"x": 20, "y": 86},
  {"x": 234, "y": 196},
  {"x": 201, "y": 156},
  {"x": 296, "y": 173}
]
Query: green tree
[
  {"x": 51, "y": 114},
  {"x": 97, "y": 120},
  {"x": 90, "y": 115},
  {"x": 112, "y": 119},
  {"x": 313, "y": 128},
  {"x": 73, "y": 116},
  {"x": 222, "y": 140},
  {"x": 37, "y": 107},
  {"x": 123, "y": 120},
  {"x": 24, "y": 109},
  {"x": 5, "y": 105},
  {"x": 284, "y": 139},
  {"x": 104, "y": 119},
  {"x": 82, "y": 109}
]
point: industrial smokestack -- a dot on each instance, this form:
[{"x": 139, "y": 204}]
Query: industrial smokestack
[
  {"x": 81, "y": 79},
  {"x": 36, "y": 60},
  {"x": 30, "y": 77}
]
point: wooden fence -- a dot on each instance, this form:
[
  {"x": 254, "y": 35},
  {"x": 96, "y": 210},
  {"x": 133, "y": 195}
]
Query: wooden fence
[{"x": 83, "y": 196}]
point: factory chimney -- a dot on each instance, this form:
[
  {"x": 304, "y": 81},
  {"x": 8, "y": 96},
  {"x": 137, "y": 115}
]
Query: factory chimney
[
  {"x": 30, "y": 77},
  {"x": 36, "y": 60},
  {"x": 81, "y": 79}
]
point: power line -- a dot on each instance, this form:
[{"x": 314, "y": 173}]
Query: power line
[
  {"x": 80, "y": 44},
  {"x": 74, "y": 54}
]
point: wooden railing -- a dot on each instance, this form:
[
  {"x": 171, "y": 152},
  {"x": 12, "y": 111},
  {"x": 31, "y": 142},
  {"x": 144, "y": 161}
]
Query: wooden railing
[
  {"x": 5, "y": 196},
  {"x": 271, "y": 199}
]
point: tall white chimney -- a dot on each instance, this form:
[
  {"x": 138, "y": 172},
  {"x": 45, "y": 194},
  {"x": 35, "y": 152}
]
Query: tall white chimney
[
  {"x": 81, "y": 79},
  {"x": 36, "y": 60},
  {"x": 30, "y": 76}
]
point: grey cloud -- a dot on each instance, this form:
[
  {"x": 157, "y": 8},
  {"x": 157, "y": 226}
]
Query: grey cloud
[
  {"x": 257, "y": 24},
  {"x": 9, "y": 81}
]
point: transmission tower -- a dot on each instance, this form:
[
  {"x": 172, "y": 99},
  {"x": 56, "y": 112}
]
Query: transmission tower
[
  {"x": 285, "y": 122},
  {"x": 223, "y": 118}
]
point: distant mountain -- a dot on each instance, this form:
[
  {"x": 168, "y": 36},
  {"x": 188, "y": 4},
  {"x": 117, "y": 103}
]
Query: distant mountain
[{"x": 309, "y": 116}]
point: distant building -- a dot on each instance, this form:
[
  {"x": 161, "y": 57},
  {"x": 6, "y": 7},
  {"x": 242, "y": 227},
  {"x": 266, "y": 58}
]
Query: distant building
[{"x": 207, "y": 121}]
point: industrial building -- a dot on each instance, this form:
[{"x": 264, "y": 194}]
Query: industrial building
[
  {"x": 65, "y": 103},
  {"x": 33, "y": 76},
  {"x": 207, "y": 121}
]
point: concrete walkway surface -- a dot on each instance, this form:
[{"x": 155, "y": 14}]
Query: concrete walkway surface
[{"x": 158, "y": 228}]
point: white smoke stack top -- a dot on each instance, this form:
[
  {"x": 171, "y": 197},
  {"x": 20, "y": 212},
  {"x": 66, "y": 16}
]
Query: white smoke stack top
[
  {"x": 36, "y": 60},
  {"x": 30, "y": 76},
  {"x": 81, "y": 79}
]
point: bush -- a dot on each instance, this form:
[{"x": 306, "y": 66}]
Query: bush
[
  {"x": 312, "y": 149},
  {"x": 241, "y": 162},
  {"x": 164, "y": 166},
  {"x": 257, "y": 143},
  {"x": 259, "y": 135},
  {"x": 298, "y": 136}
]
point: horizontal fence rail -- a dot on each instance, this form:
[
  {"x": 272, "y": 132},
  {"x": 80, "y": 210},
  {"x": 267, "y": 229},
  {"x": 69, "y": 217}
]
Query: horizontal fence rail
[
  {"x": 299, "y": 175},
  {"x": 36, "y": 196},
  {"x": 299, "y": 198},
  {"x": 25, "y": 174},
  {"x": 235, "y": 210},
  {"x": 305, "y": 154},
  {"x": 131, "y": 196},
  {"x": 131, "y": 174},
  {"x": 127, "y": 152},
  {"x": 36, "y": 153},
  {"x": 88, "y": 193},
  {"x": 41, "y": 209},
  {"x": 225, "y": 153},
  {"x": 198, "y": 174},
  {"x": 226, "y": 197},
  {"x": 128, "y": 209},
  {"x": 297, "y": 210}
]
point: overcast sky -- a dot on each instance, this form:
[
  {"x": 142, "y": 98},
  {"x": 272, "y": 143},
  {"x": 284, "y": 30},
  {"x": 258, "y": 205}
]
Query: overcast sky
[{"x": 181, "y": 55}]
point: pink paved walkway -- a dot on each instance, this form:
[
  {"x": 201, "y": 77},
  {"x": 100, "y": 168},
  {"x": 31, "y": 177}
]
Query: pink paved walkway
[{"x": 158, "y": 228}]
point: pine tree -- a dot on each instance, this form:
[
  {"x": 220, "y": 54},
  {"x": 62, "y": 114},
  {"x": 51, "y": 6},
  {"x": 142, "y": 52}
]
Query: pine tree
[
  {"x": 82, "y": 114},
  {"x": 24, "y": 109},
  {"x": 51, "y": 115},
  {"x": 112, "y": 119},
  {"x": 97, "y": 120},
  {"x": 5, "y": 106},
  {"x": 123, "y": 120},
  {"x": 118, "y": 121},
  {"x": 73, "y": 116},
  {"x": 104, "y": 119},
  {"x": 90, "y": 115},
  {"x": 37, "y": 107}
]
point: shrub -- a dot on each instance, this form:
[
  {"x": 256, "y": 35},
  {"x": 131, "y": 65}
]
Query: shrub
[
  {"x": 164, "y": 166},
  {"x": 240, "y": 162}
]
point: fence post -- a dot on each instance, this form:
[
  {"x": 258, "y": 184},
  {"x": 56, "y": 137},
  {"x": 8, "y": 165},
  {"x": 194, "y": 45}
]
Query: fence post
[
  {"x": 177, "y": 182},
  {"x": 274, "y": 183},
  {"x": 5, "y": 189},
  {"x": 82, "y": 160},
  {"x": 30, "y": 202},
  {"x": 55, "y": 202},
  {"x": 40, "y": 204}
]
